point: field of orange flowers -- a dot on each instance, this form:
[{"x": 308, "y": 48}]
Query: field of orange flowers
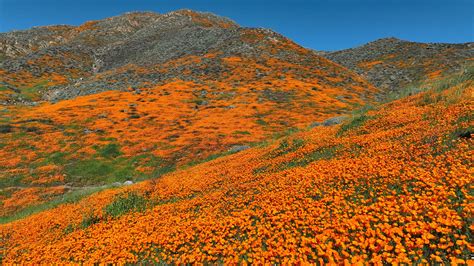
[
  {"x": 391, "y": 185},
  {"x": 116, "y": 136}
]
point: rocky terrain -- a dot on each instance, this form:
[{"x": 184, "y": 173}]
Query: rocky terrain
[
  {"x": 146, "y": 49},
  {"x": 392, "y": 64}
]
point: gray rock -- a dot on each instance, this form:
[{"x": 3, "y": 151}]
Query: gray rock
[
  {"x": 237, "y": 148},
  {"x": 128, "y": 182},
  {"x": 329, "y": 122}
]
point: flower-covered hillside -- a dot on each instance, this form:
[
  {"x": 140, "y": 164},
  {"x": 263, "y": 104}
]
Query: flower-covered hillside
[
  {"x": 393, "y": 184},
  {"x": 117, "y": 136}
]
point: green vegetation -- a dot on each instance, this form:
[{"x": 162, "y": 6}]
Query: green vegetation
[
  {"x": 123, "y": 204},
  {"x": 324, "y": 153},
  {"x": 461, "y": 81},
  {"x": 207, "y": 159},
  {"x": 11, "y": 181},
  {"x": 111, "y": 150},
  {"x": 238, "y": 132},
  {"x": 32, "y": 93},
  {"x": 402, "y": 93},
  {"x": 261, "y": 122},
  {"x": 286, "y": 146},
  {"x": 466, "y": 75},
  {"x": 359, "y": 118},
  {"x": 105, "y": 167},
  {"x": 88, "y": 220}
]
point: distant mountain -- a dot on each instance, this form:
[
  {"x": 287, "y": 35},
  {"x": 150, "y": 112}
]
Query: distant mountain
[{"x": 391, "y": 63}]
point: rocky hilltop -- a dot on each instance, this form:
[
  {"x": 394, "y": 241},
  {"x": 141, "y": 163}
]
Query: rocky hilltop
[
  {"x": 137, "y": 50},
  {"x": 392, "y": 64}
]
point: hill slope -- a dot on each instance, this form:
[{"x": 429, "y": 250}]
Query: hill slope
[
  {"x": 392, "y": 64},
  {"x": 392, "y": 185},
  {"x": 134, "y": 96}
]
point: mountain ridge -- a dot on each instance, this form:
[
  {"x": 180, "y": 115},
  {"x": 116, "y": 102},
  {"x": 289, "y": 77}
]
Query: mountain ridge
[
  {"x": 392, "y": 64},
  {"x": 159, "y": 39}
]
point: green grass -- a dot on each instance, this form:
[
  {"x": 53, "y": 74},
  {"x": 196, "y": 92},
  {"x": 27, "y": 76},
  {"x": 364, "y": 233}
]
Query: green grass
[
  {"x": 11, "y": 181},
  {"x": 435, "y": 95},
  {"x": 324, "y": 153},
  {"x": 88, "y": 220},
  {"x": 33, "y": 93},
  {"x": 466, "y": 75},
  {"x": 286, "y": 146},
  {"x": 111, "y": 150},
  {"x": 403, "y": 93},
  {"x": 123, "y": 204},
  {"x": 238, "y": 132},
  {"x": 207, "y": 159},
  {"x": 359, "y": 118},
  {"x": 261, "y": 122},
  {"x": 105, "y": 167}
]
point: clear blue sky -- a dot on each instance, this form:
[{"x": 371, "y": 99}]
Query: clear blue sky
[{"x": 318, "y": 24}]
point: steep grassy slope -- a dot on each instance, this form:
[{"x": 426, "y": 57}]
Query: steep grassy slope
[
  {"x": 392, "y": 64},
  {"x": 393, "y": 184}
]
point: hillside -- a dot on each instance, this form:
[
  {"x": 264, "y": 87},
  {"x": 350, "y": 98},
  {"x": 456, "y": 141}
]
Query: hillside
[
  {"x": 391, "y": 185},
  {"x": 137, "y": 50},
  {"x": 185, "y": 138},
  {"x": 392, "y": 64},
  {"x": 138, "y": 95}
]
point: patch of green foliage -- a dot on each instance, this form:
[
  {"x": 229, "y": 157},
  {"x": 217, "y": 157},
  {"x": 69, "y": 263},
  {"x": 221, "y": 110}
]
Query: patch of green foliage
[
  {"x": 111, "y": 150},
  {"x": 208, "y": 158},
  {"x": 403, "y": 93},
  {"x": 238, "y": 132},
  {"x": 123, "y": 204},
  {"x": 261, "y": 122},
  {"x": 466, "y": 75},
  {"x": 32, "y": 93},
  {"x": 11, "y": 181},
  {"x": 461, "y": 81},
  {"x": 323, "y": 153},
  {"x": 358, "y": 119},
  {"x": 88, "y": 220},
  {"x": 286, "y": 146}
]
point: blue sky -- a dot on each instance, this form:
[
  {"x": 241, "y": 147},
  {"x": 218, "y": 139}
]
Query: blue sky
[{"x": 317, "y": 24}]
